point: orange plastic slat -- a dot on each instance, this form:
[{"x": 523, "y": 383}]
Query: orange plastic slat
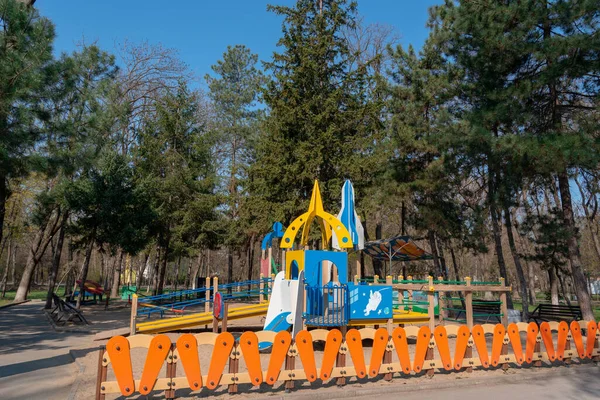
[
  {"x": 546, "y": 333},
  {"x": 355, "y": 347},
  {"x": 515, "y": 342},
  {"x": 332, "y": 347},
  {"x": 441, "y": 341},
  {"x": 591, "y": 338},
  {"x": 304, "y": 343},
  {"x": 281, "y": 345},
  {"x": 481, "y": 346},
  {"x": 462, "y": 341},
  {"x": 577, "y": 338},
  {"x": 563, "y": 331},
  {"x": 532, "y": 333},
  {"x": 401, "y": 344},
  {"x": 499, "y": 333},
  {"x": 120, "y": 359},
  {"x": 187, "y": 346},
  {"x": 423, "y": 338},
  {"x": 379, "y": 343},
  {"x": 249, "y": 346},
  {"x": 157, "y": 354},
  {"x": 220, "y": 355}
]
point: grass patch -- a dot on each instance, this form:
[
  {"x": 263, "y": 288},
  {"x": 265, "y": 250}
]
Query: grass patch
[{"x": 33, "y": 295}]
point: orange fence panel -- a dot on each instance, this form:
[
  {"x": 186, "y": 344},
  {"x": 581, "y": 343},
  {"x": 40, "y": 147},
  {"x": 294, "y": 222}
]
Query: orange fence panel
[
  {"x": 577, "y": 338},
  {"x": 462, "y": 342},
  {"x": 379, "y": 342},
  {"x": 515, "y": 342},
  {"x": 332, "y": 347},
  {"x": 220, "y": 355},
  {"x": 249, "y": 346},
  {"x": 304, "y": 343},
  {"x": 281, "y": 345},
  {"x": 120, "y": 357},
  {"x": 499, "y": 333},
  {"x": 401, "y": 344},
  {"x": 532, "y": 335},
  {"x": 441, "y": 341},
  {"x": 561, "y": 344},
  {"x": 480, "y": 344},
  {"x": 590, "y": 343},
  {"x": 423, "y": 339},
  {"x": 157, "y": 354},
  {"x": 546, "y": 333},
  {"x": 187, "y": 347},
  {"x": 354, "y": 343}
]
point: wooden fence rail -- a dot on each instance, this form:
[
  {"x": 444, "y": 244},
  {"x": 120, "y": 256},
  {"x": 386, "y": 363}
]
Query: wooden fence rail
[{"x": 417, "y": 349}]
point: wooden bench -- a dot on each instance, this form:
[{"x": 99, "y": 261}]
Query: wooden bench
[
  {"x": 550, "y": 312},
  {"x": 483, "y": 310},
  {"x": 63, "y": 312}
]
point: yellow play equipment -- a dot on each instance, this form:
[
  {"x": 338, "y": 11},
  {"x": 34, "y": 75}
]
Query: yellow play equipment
[
  {"x": 328, "y": 223},
  {"x": 199, "y": 319}
]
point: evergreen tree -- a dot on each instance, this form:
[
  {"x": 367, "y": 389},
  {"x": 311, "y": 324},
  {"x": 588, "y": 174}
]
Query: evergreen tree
[
  {"x": 25, "y": 50},
  {"x": 173, "y": 161},
  {"x": 320, "y": 120},
  {"x": 234, "y": 91}
]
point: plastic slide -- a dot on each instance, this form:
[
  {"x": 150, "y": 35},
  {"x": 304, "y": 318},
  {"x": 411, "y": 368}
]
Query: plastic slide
[{"x": 283, "y": 305}]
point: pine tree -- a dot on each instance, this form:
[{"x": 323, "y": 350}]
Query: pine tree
[
  {"x": 320, "y": 119},
  {"x": 25, "y": 50},
  {"x": 234, "y": 91},
  {"x": 173, "y": 162}
]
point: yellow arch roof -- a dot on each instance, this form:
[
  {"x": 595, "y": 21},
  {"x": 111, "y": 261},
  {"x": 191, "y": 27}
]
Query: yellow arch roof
[{"x": 328, "y": 223}]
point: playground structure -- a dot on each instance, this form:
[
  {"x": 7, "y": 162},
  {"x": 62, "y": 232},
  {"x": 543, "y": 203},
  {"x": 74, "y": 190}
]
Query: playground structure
[
  {"x": 313, "y": 290},
  {"x": 391, "y": 355}
]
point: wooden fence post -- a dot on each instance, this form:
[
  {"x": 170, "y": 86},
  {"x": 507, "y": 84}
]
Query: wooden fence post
[
  {"x": 171, "y": 372},
  {"x": 132, "y": 321},
  {"x": 234, "y": 365},
  {"x": 469, "y": 304},
  {"x": 410, "y": 295},
  {"x": 207, "y": 295},
  {"x": 102, "y": 372},
  {"x": 441, "y": 304},
  {"x": 431, "y": 301},
  {"x": 261, "y": 288},
  {"x": 340, "y": 360}
]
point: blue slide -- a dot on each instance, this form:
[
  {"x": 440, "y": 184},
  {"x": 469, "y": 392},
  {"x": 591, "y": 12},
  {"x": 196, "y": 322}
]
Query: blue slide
[{"x": 278, "y": 324}]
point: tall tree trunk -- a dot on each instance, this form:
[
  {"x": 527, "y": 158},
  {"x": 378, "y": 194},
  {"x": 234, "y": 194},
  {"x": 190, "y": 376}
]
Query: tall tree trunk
[
  {"x": 42, "y": 239},
  {"x": 378, "y": 267},
  {"x": 553, "y": 285},
  {"x": 589, "y": 219},
  {"x": 163, "y": 269},
  {"x": 176, "y": 275},
  {"x": 116, "y": 280},
  {"x": 56, "y": 259},
  {"x": 229, "y": 268},
  {"x": 517, "y": 261},
  {"x": 579, "y": 280},
  {"x": 155, "y": 270},
  {"x": 4, "y": 195},
  {"x": 434, "y": 253},
  {"x": 195, "y": 271},
  {"x": 142, "y": 271},
  {"x": 457, "y": 275},
  {"x": 440, "y": 249},
  {"x": 5, "y": 275},
  {"x": 497, "y": 232},
  {"x": 84, "y": 271}
]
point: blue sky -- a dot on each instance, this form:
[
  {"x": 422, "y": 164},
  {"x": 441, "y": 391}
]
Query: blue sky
[{"x": 200, "y": 30}]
